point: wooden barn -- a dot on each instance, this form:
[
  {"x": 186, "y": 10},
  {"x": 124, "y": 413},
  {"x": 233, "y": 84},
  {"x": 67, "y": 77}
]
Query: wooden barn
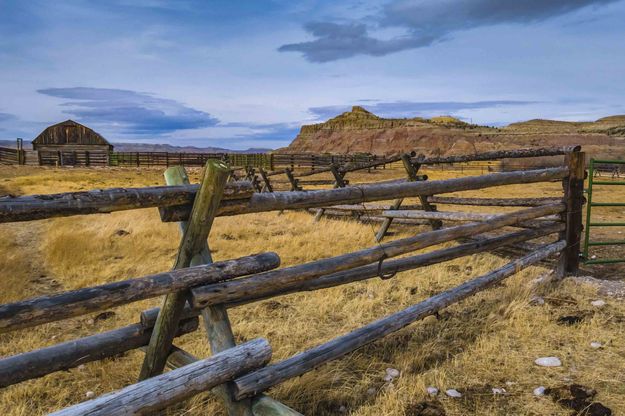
[{"x": 71, "y": 144}]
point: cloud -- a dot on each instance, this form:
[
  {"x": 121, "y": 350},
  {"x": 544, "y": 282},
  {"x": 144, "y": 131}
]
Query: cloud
[
  {"x": 338, "y": 41},
  {"x": 424, "y": 22},
  {"x": 6, "y": 117},
  {"x": 130, "y": 111},
  {"x": 273, "y": 132},
  {"x": 412, "y": 109}
]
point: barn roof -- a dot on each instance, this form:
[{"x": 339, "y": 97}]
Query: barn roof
[{"x": 69, "y": 132}]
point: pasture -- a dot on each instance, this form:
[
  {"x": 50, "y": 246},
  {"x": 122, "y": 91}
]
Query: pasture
[{"x": 488, "y": 341}]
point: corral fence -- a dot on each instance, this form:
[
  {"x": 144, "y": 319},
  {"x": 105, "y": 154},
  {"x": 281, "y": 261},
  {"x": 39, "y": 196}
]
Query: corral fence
[
  {"x": 267, "y": 161},
  {"x": 239, "y": 375}
]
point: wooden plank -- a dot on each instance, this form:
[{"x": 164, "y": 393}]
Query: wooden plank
[
  {"x": 228, "y": 292},
  {"x": 260, "y": 380},
  {"x": 71, "y": 354},
  {"x": 161, "y": 391},
  {"x": 448, "y": 215},
  {"x": 494, "y": 202},
  {"x": 370, "y": 208},
  {"x": 193, "y": 241},
  {"x": 50, "y": 308}
]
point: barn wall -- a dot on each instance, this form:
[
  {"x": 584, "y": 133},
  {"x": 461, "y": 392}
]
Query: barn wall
[{"x": 68, "y": 134}]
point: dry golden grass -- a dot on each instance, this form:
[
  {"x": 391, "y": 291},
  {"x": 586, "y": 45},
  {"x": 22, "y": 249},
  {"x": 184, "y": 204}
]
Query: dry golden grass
[{"x": 490, "y": 340}]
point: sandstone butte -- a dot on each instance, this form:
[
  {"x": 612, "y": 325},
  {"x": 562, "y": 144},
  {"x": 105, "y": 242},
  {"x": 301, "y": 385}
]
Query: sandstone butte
[{"x": 360, "y": 131}]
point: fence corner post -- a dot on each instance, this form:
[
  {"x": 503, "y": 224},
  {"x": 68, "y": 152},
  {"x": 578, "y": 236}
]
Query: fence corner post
[
  {"x": 193, "y": 241},
  {"x": 574, "y": 199}
]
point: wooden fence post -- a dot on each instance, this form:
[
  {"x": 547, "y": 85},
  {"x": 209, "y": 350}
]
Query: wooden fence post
[
  {"x": 216, "y": 321},
  {"x": 294, "y": 182},
  {"x": 193, "y": 241},
  {"x": 574, "y": 196},
  {"x": 411, "y": 171},
  {"x": 339, "y": 182},
  {"x": 267, "y": 187}
]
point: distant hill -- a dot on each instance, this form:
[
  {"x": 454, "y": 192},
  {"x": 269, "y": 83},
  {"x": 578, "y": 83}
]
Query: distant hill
[
  {"x": 146, "y": 147},
  {"x": 359, "y": 130}
]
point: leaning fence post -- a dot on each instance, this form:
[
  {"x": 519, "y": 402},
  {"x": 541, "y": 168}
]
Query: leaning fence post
[
  {"x": 267, "y": 187},
  {"x": 294, "y": 182},
  {"x": 193, "y": 241},
  {"x": 574, "y": 198},
  {"x": 339, "y": 182},
  {"x": 218, "y": 327},
  {"x": 411, "y": 171}
]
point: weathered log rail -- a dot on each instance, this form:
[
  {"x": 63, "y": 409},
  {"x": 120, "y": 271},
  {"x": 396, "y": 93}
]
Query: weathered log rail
[
  {"x": 160, "y": 391},
  {"x": 239, "y": 199},
  {"x": 235, "y": 373},
  {"x": 260, "y": 380},
  {"x": 78, "y": 302}
]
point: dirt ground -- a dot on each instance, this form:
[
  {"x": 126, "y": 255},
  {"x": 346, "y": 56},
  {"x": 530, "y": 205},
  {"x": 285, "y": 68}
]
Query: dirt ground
[{"x": 487, "y": 342}]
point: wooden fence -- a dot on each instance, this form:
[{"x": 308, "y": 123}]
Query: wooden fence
[
  {"x": 9, "y": 156},
  {"x": 239, "y": 374},
  {"x": 268, "y": 161}
]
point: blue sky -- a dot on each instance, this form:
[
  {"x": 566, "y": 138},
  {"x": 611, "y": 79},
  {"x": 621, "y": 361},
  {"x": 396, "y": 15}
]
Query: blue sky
[{"x": 249, "y": 73}]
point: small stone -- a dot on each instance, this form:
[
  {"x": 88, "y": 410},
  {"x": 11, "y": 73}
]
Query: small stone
[
  {"x": 80, "y": 367},
  {"x": 598, "y": 303},
  {"x": 453, "y": 393},
  {"x": 537, "y": 300},
  {"x": 372, "y": 391},
  {"x": 89, "y": 394},
  {"x": 432, "y": 391},
  {"x": 548, "y": 362},
  {"x": 593, "y": 257},
  {"x": 342, "y": 409},
  {"x": 538, "y": 280},
  {"x": 389, "y": 386},
  {"x": 497, "y": 390},
  {"x": 539, "y": 391},
  {"x": 596, "y": 345},
  {"x": 388, "y": 378},
  {"x": 392, "y": 372}
]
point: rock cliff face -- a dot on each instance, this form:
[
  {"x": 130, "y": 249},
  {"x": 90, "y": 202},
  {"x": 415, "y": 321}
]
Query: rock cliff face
[{"x": 362, "y": 131}]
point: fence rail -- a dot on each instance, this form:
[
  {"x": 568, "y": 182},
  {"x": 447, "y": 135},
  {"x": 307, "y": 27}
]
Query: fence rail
[{"x": 209, "y": 289}]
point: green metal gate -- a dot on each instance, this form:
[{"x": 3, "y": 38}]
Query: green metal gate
[{"x": 589, "y": 206}]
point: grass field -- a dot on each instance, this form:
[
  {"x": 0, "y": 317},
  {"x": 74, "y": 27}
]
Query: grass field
[{"x": 488, "y": 341}]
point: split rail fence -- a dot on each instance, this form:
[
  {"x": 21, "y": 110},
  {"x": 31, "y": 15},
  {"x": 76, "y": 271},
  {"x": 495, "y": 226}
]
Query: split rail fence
[{"x": 239, "y": 375}]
